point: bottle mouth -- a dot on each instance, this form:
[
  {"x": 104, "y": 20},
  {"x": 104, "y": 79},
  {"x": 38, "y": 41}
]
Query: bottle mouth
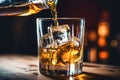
[
  {"x": 55, "y": 1},
  {"x": 46, "y": 2}
]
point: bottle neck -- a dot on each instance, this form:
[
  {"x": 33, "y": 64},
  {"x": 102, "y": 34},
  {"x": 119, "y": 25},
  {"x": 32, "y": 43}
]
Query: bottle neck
[
  {"x": 19, "y": 3},
  {"x": 23, "y": 7}
]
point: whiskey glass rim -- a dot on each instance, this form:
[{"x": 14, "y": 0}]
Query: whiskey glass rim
[{"x": 62, "y": 18}]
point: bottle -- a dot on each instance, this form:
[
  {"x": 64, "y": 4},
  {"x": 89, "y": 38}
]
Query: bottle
[{"x": 23, "y": 7}]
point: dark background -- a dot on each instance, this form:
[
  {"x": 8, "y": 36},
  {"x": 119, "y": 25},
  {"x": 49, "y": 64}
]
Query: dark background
[{"x": 18, "y": 34}]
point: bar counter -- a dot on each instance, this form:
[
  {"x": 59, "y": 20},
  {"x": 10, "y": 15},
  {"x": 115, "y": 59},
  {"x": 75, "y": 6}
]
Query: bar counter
[{"x": 25, "y": 67}]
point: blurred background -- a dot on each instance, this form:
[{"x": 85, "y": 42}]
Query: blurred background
[{"x": 102, "y": 35}]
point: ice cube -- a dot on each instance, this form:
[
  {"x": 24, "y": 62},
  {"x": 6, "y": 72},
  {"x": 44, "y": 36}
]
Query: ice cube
[
  {"x": 57, "y": 35},
  {"x": 76, "y": 41},
  {"x": 61, "y": 33},
  {"x": 46, "y": 40}
]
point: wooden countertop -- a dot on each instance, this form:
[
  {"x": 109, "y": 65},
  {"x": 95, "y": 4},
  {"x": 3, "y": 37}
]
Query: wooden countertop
[{"x": 25, "y": 67}]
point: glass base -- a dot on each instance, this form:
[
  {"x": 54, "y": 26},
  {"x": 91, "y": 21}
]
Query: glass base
[{"x": 57, "y": 70}]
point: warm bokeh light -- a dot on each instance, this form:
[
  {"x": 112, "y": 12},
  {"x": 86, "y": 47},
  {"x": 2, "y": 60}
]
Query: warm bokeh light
[
  {"x": 114, "y": 43},
  {"x": 102, "y": 42},
  {"x": 92, "y": 55},
  {"x": 103, "y": 55},
  {"x": 92, "y": 35},
  {"x": 103, "y": 29}
]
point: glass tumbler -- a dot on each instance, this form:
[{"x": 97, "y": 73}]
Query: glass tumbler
[{"x": 60, "y": 46}]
